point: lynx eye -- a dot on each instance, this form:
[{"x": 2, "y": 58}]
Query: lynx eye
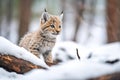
[
  {"x": 52, "y": 26},
  {"x": 59, "y": 26}
]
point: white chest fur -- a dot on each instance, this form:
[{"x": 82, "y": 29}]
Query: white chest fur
[{"x": 46, "y": 46}]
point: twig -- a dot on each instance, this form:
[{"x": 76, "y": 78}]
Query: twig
[{"x": 77, "y": 53}]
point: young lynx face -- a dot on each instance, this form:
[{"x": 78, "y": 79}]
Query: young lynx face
[{"x": 51, "y": 24}]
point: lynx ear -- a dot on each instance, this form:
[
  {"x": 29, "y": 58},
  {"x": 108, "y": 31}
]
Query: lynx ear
[
  {"x": 45, "y": 16},
  {"x": 61, "y": 16}
]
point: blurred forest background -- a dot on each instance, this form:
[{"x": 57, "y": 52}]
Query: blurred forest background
[{"x": 86, "y": 22}]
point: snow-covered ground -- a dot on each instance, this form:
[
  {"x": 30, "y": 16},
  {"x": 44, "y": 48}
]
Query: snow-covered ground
[
  {"x": 96, "y": 57},
  {"x": 93, "y": 62}
]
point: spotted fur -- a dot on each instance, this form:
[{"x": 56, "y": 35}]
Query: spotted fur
[{"x": 43, "y": 40}]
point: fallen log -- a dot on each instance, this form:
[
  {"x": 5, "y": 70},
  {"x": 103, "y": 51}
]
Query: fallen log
[
  {"x": 113, "y": 76},
  {"x": 14, "y": 64}
]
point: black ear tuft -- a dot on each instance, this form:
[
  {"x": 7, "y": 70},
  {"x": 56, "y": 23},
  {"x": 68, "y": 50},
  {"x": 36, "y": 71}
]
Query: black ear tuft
[
  {"x": 45, "y": 10},
  {"x": 45, "y": 16},
  {"x": 61, "y": 12}
]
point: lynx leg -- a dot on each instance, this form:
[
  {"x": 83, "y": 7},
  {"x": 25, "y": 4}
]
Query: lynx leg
[{"x": 48, "y": 58}]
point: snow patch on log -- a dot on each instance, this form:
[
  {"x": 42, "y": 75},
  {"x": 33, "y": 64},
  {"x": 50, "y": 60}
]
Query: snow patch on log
[{"x": 8, "y": 48}]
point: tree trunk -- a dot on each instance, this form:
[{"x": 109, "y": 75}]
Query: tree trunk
[
  {"x": 112, "y": 20},
  {"x": 119, "y": 19},
  {"x": 9, "y": 10},
  {"x": 0, "y": 15},
  {"x": 14, "y": 64},
  {"x": 79, "y": 8},
  {"x": 63, "y": 7},
  {"x": 92, "y": 12},
  {"x": 25, "y": 13}
]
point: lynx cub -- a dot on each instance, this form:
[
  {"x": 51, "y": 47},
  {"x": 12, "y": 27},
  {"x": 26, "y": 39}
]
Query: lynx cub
[{"x": 43, "y": 40}]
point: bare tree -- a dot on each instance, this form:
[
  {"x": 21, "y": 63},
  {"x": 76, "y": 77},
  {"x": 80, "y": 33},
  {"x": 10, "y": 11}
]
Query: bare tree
[
  {"x": 92, "y": 12},
  {"x": 9, "y": 11},
  {"x": 112, "y": 20},
  {"x": 118, "y": 19},
  {"x": 63, "y": 3},
  {"x": 0, "y": 15},
  {"x": 5, "y": 10},
  {"x": 79, "y": 8},
  {"x": 25, "y": 13}
]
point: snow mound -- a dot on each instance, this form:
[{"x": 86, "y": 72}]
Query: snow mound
[
  {"x": 65, "y": 51},
  {"x": 92, "y": 63},
  {"x": 6, "y": 47},
  {"x": 108, "y": 52}
]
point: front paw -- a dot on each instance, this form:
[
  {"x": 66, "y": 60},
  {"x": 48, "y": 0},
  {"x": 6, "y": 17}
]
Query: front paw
[{"x": 49, "y": 63}]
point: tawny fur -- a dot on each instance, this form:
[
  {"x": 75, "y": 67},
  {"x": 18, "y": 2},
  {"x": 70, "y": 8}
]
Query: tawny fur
[{"x": 43, "y": 40}]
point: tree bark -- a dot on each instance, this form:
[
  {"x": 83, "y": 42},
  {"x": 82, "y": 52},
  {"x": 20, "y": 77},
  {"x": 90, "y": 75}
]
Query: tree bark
[
  {"x": 119, "y": 19},
  {"x": 25, "y": 13},
  {"x": 112, "y": 20},
  {"x": 114, "y": 76},
  {"x": 0, "y": 15},
  {"x": 14, "y": 64}
]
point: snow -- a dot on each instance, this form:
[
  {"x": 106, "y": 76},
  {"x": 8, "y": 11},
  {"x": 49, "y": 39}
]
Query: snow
[
  {"x": 4, "y": 75},
  {"x": 6, "y": 47},
  {"x": 67, "y": 71},
  {"x": 64, "y": 49},
  {"x": 82, "y": 69},
  {"x": 102, "y": 53},
  {"x": 91, "y": 47},
  {"x": 106, "y": 52}
]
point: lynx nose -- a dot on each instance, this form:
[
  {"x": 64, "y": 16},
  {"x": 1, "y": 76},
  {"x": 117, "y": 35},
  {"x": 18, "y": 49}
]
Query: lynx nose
[{"x": 57, "y": 32}]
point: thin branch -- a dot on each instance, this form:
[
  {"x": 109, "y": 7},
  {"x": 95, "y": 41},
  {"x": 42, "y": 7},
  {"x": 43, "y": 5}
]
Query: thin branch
[{"x": 77, "y": 54}]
